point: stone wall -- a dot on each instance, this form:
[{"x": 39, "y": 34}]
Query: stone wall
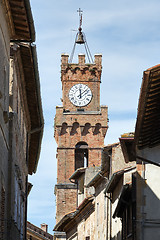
[{"x": 4, "y": 117}]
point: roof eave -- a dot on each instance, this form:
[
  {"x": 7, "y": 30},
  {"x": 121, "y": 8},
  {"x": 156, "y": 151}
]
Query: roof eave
[
  {"x": 148, "y": 117},
  {"x": 35, "y": 62},
  {"x": 34, "y": 103},
  {"x": 21, "y": 23},
  {"x": 60, "y": 226},
  {"x": 30, "y": 20}
]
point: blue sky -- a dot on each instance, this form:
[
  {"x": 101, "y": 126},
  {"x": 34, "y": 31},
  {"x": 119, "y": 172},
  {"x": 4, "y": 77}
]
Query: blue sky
[{"x": 127, "y": 34}]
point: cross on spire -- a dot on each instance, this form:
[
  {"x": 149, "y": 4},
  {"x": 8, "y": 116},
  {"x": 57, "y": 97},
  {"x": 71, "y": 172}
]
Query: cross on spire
[
  {"x": 80, "y": 17},
  {"x": 80, "y": 11}
]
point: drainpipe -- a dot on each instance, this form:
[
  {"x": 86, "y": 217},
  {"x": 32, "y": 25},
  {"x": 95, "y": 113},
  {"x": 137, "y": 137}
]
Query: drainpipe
[
  {"x": 107, "y": 218},
  {"x": 26, "y": 188},
  {"x": 26, "y": 193},
  {"x": 10, "y": 161},
  {"x": 143, "y": 176},
  {"x": 110, "y": 218}
]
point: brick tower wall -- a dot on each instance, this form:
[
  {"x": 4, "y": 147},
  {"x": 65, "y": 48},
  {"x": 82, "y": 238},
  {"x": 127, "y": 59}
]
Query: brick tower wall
[{"x": 73, "y": 126}]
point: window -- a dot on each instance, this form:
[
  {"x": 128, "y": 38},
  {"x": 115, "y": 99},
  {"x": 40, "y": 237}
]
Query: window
[{"x": 81, "y": 155}]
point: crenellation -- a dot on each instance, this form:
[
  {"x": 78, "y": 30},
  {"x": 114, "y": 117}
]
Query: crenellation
[
  {"x": 64, "y": 59},
  {"x": 81, "y": 59},
  {"x": 98, "y": 59}
]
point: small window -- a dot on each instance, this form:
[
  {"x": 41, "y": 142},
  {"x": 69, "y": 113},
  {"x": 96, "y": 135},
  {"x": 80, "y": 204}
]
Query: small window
[{"x": 81, "y": 155}]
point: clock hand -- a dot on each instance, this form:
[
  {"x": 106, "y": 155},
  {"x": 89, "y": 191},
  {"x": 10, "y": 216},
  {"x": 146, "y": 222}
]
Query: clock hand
[
  {"x": 85, "y": 92},
  {"x": 80, "y": 93}
]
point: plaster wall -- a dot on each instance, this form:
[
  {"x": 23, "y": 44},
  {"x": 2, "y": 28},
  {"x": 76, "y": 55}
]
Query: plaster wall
[
  {"x": 151, "y": 192},
  {"x": 118, "y": 162},
  {"x": 81, "y": 230},
  {"x": 148, "y": 202},
  {"x": 100, "y": 220},
  {"x": 86, "y": 227}
]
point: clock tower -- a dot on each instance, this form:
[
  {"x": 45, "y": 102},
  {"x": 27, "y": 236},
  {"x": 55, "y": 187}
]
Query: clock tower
[{"x": 80, "y": 126}]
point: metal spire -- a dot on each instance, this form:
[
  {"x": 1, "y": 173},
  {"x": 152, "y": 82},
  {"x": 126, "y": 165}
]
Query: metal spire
[
  {"x": 81, "y": 39},
  {"x": 80, "y": 17}
]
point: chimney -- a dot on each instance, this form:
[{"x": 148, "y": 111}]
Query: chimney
[{"x": 44, "y": 227}]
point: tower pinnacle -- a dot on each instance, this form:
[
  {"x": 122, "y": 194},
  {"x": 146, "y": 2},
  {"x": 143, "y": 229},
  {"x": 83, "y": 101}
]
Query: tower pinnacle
[{"x": 81, "y": 39}]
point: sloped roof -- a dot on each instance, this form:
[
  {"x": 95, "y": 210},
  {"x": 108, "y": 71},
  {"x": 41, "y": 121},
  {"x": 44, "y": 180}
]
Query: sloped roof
[
  {"x": 77, "y": 173},
  {"x": 147, "y": 133},
  {"x": 127, "y": 140},
  {"x": 37, "y": 232},
  {"x": 32, "y": 86},
  {"x": 20, "y": 20},
  {"x": 115, "y": 179},
  {"x": 60, "y": 226}
]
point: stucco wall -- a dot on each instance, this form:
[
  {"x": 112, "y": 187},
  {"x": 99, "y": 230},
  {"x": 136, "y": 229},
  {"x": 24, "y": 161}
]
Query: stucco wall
[{"x": 148, "y": 202}]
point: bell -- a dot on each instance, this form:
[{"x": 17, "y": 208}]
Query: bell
[{"x": 80, "y": 39}]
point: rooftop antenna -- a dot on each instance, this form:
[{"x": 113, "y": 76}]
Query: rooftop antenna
[{"x": 81, "y": 39}]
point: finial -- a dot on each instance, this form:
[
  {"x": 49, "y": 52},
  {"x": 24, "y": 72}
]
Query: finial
[
  {"x": 81, "y": 39},
  {"x": 80, "y": 17}
]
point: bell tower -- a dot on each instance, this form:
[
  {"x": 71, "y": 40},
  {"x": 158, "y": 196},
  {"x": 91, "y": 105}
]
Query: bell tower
[{"x": 80, "y": 125}]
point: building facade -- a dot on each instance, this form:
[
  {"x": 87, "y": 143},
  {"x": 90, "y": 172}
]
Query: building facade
[
  {"x": 99, "y": 193},
  {"x": 21, "y": 118},
  {"x": 36, "y": 233},
  {"x": 147, "y": 150}
]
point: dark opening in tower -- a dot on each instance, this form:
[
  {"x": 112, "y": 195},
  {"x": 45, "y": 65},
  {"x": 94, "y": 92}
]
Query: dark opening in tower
[{"x": 81, "y": 155}]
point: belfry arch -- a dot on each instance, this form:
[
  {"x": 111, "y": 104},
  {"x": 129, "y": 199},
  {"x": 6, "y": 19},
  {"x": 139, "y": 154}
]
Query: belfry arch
[{"x": 81, "y": 155}]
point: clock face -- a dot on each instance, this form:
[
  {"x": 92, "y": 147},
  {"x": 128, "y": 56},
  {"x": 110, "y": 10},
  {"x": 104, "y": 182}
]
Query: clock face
[{"x": 80, "y": 95}]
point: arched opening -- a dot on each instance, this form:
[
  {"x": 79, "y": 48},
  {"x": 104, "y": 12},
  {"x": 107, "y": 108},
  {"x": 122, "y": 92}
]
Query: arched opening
[{"x": 81, "y": 155}]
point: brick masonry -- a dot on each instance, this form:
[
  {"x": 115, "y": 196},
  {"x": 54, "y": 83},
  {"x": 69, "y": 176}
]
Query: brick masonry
[{"x": 77, "y": 124}]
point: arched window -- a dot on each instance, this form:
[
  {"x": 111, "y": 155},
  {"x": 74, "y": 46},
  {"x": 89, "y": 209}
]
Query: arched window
[{"x": 81, "y": 155}]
